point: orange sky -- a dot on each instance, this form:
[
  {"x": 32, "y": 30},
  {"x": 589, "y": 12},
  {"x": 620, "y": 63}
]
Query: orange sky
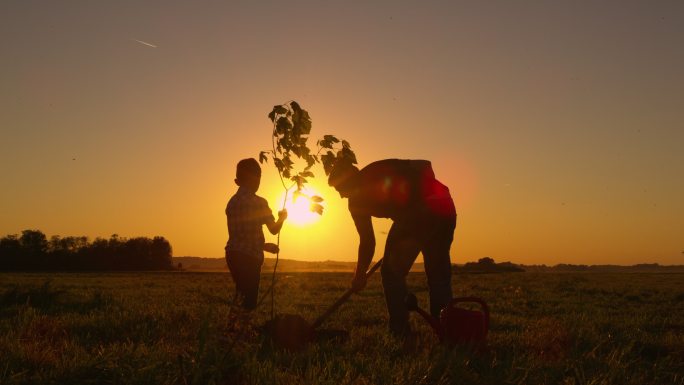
[{"x": 557, "y": 127}]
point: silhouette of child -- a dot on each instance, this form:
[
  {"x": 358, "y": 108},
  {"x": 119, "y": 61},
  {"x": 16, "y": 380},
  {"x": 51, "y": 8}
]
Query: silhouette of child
[{"x": 246, "y": 212}]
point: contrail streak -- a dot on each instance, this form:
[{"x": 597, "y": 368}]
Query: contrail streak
[{"x": 145, "y": 43}]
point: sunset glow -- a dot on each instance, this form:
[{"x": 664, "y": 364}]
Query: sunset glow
[
  {"x": 556, "y": 126},
  {"x": 299, "y": 207}
]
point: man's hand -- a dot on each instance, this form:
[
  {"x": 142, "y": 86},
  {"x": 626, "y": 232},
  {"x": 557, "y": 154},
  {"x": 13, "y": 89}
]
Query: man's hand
[
  {"x": 271, "y": 248},
  {"x": 282, "y": 215},
  {"x": 358, "y": 282}
]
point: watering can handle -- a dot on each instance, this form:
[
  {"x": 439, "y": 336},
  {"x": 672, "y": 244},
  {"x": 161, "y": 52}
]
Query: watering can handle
[
  {"x": 480, "y": 301},
  {"x": 342, "y": 299}
]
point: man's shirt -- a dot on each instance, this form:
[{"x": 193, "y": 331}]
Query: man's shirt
[
  {"x": 246, "y": 213},
  {"x": 395, "y": 188},
  {"x": 403, "y": 190}
]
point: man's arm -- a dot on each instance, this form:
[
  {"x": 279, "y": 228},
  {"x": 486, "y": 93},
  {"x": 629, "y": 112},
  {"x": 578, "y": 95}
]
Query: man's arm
[{"x": 364, "y": 226}]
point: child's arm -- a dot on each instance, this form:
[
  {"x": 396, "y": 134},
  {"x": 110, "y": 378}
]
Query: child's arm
[{"x": 275, "y": 226}]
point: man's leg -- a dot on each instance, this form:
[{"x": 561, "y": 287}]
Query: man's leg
[
  {"x": 437, "y": 260},
  {"x": 401, "y": 251}
]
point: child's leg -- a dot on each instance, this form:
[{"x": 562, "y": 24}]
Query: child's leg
[
  {"x": 250, "y": 289},
  {"x": 233, "y": 273},
  {"x": 238, "y": 268}
]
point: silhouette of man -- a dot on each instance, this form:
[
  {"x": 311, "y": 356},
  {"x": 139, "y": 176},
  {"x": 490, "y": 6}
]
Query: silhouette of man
[
  {"x": 424, "y": 219},
  {"x": 246, "y": 212}
]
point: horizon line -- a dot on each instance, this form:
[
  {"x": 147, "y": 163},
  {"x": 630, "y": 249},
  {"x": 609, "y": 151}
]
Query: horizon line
[{"x": 459, "y": 264}]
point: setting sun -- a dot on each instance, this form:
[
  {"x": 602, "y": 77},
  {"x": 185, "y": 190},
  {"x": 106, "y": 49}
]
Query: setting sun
[{"x": 299, "y": 205}]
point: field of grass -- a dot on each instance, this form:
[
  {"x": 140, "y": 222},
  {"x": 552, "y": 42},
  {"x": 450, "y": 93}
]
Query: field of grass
[{"x": 178, "y": 328}]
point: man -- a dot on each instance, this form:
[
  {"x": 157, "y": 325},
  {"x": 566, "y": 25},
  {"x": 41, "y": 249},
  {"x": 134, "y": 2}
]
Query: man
[
  {"x": 424, "y": 219},
  {"x": 246, "y": 212}
]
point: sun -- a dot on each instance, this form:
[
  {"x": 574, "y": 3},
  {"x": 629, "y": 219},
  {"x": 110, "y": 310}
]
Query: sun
[{"x": 299, "y": 207}]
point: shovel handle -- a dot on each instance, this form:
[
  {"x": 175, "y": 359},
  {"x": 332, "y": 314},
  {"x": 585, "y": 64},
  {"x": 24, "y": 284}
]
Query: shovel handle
[{"x": 342, "y": 299}]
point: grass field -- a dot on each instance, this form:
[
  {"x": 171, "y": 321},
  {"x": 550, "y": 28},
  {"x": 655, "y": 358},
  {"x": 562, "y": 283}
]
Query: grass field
[{"x": 178, "y": 328}]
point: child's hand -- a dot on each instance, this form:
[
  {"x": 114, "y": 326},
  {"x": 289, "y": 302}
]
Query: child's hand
[
  {"x": 271, "y": 248},
  {"x": 282, "y": 215}
]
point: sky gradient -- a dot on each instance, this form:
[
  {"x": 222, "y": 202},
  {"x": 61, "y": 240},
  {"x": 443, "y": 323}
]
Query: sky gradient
[{"x": 558, "y": 126}]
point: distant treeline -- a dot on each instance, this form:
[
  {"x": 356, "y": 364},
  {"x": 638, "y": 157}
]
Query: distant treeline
[
  {"x": 641, "y": 267},
  {"x": 488, "y": 265},
  {"x": 32, "y": 250}
]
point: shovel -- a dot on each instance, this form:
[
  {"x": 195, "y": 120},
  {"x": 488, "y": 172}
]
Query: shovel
[{"x": 293, "y": 332}]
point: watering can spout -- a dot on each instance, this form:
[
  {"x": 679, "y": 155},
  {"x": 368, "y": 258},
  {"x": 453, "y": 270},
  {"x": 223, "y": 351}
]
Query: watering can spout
[{"x": 411, "y": 303}]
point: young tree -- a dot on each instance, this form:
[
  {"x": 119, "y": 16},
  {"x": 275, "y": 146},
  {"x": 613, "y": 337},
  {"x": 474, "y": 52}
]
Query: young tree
[{"x": 291, "y": 129}]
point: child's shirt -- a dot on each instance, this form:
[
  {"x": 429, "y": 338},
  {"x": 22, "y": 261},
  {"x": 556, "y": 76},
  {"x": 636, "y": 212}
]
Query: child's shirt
[{"x": 246, "y": 212}]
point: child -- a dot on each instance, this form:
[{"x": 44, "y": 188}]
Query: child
[{"x": 246, "y": 213}]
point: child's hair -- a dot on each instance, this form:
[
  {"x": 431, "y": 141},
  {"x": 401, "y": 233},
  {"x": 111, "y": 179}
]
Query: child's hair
[{"x": 245, "y": 168}]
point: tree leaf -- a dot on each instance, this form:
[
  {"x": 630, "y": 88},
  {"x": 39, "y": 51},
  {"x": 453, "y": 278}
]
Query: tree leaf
[
  {"x": 305, "y": 125},
  {"x": 279, "y": 164},
  {"x": 328, "y": 160},
  {"x": 316, "y": 208},
  {"x": 301, "y": 181},
  {"x": 295, "y": 106},
  {"x": 316, "y": 198},
  {"x": 347, "y": 154},
  {"x": 262, "y": 157},
  {"x": 282, "y": 145},
  {"x": 287, "y": 161},
  {"x": 283, "y": 126},
  {"x": 277, "y": 110}
]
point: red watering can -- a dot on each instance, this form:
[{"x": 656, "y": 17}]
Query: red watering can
[{"x": 457, "y": 325}]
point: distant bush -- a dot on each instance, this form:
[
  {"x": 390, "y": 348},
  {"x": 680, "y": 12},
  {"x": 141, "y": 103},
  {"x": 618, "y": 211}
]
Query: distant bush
[
  {"x": 487, "y": 265},
  {"x": 33, "y": 251}
]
